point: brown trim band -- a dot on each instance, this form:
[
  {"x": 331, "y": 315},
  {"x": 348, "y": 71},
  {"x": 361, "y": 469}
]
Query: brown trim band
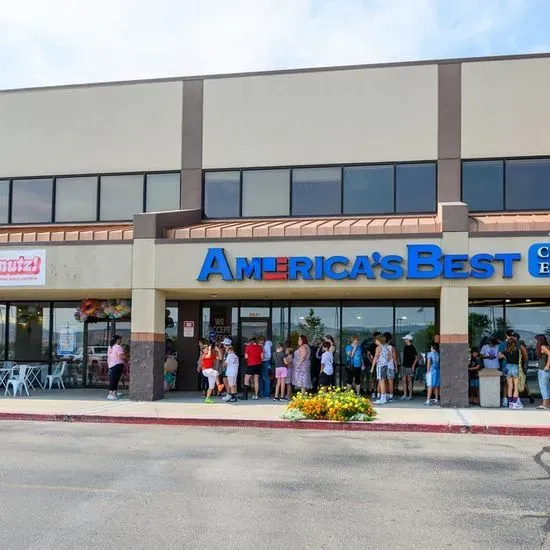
[
  {"x": 147, "y": 337},
  {"x": 454, "y": 338}
]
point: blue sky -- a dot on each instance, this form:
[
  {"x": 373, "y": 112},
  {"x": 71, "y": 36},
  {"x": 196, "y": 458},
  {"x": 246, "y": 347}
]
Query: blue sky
[{"x": 63, "y": 41}]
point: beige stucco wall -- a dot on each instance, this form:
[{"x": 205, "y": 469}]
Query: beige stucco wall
[
  {"x": 80, "y": 271},
  {"x": 505, "y": 108},
  {"x": 111, "y": 128},
  {"x": 368, "y": 115}
]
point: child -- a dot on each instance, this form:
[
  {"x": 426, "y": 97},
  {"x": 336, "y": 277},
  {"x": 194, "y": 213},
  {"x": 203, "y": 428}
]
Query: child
[
  {"x": 433, "y": 376},
  {"x": 231, "y": 371},
  {"x": 473, "y": 376},
  {"x": 208, "y": 370},
  {"x": 327, "y": 366},
  {"x": 288, "y": 362},
  {"x": 281, "y": 372}
]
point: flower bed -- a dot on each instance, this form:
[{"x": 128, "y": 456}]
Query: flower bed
[{"x": 331, "y": 404}]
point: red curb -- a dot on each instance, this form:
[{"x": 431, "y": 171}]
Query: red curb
[{"x": 528, "y": 431}]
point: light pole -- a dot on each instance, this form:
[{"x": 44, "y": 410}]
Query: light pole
[{"x": 400, "y": 320}]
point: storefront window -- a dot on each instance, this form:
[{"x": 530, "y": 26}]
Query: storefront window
[
  {"x": 172, "y": 327},
  {"x": 68, "y": 342},
  {"x": 364, "y": 321},
  {"x": 280, "y": 322},
  {"x": 315, "y": 320},
  {"x": 29, "y": 332},
  {"x": 485, "y": 318},
  {"x": 3, "y": 321},
  {"x": 220, "y": 320},
  {"x": 419, "y": 321}
]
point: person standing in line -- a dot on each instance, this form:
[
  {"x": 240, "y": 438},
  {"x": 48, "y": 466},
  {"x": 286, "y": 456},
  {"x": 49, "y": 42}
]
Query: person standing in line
[
  {"x": 281, "y": 372},
  {"x": 381, "y": 360},
  {"x": 208, "y": 361},
  {"x": 473, "y": 376},
  {"x": 203, "y": 381},
  {"x": 512, "y": 354},
  {"x": 354, "y": 364},
  {"x": 254, "y": 355},
  {"x": 316, "y": 354},
  {"x": 543, "y": 358},
  {"x": 327, "y": 366},
  {"x": 289, "y": 352},
  {"x": 371, "y": 351},
  {"x": 231, "y": 373},
  {"x": 265, "y": 383},
  {"x": 301, "y": 365},
  {"x": 433, "y": 376},
  {"x": 392, "y": 366},
  {"x": 410, "y": 358},
  {"x": 115, "y": 364}
]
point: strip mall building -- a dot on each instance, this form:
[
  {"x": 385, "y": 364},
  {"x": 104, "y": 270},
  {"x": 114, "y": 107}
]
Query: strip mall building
[{"x": 404, "y": 197}]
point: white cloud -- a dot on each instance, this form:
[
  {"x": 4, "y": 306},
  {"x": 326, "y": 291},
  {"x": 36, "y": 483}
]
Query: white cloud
[{"x": 64, "y": 41}]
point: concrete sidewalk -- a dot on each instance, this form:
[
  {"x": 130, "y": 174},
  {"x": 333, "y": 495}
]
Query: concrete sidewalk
[{"x": 185, "y": 409}]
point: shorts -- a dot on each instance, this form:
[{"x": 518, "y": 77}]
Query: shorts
[
  {"x": 391, "y": 372},
  {"x": 353, "y": 374},
  {"x": 433, "y": 378},
  {"x": 325, "y": 379},
  {"x": 512, "y": 371},
  {"x": 211, "y": 374},
  {"x": 474, "y": 383},
  {"x": 231, "y": 377},
  {"x": 381, "y": 372},
  {"x": 253, "y": 370},
  {"x": 544, "y": 383},
  {"x": 281, "y": 372},
  {"x": 406, "y": 371}
]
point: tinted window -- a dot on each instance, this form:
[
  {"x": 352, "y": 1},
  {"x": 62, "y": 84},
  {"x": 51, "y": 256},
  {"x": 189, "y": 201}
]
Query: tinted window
[
  {"x": 368, "y": 190},
  {"x": 316, "y": 191},
  {"x": 528, "y": 184},
  {"x": 415, "y": 187},
  {"x": 32, "y": 201},
  {"x": 121, "y": 197},
  {"x": 482, "y": 185},
  {"x": 266, "y": 193},
  {"x": 222, "y": 194},
  {"x": 163, "y": 192},
  {"x": 76, "y": 199},
  {"x": 4, "y": 200}
]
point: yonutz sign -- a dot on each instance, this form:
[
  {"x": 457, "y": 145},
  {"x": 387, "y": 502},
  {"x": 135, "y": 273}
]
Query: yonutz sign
[{"x": 422, "y": 261}]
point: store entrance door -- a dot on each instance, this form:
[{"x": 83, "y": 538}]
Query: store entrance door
[{"x": 254, "y": 328}]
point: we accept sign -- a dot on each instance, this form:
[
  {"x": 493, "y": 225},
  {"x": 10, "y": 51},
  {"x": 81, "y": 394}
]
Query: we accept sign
[
  {"x": 22, "y": 267},
  {"x": 422, "y": 261}
]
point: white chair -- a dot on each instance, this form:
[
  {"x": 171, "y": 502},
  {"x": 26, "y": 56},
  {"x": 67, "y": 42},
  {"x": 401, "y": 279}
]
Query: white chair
[
  {"x": 57, "y": 376},
  {"x": 18, "y": 380}
]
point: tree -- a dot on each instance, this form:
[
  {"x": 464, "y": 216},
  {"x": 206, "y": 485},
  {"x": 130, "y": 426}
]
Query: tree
[
  {"x": 479, "y": 325},
  {"x": 312, "y": 326}
]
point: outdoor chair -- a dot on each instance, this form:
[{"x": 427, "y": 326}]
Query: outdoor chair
[
  {"x": 57, "y": 376},
  {"x": 18, "y": 380}
]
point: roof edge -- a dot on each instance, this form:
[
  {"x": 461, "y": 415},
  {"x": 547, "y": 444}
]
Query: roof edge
[{"x": 330, "y": 68}]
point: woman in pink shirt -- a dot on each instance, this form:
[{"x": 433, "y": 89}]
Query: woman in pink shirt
[{"x": 115, "y": 362}]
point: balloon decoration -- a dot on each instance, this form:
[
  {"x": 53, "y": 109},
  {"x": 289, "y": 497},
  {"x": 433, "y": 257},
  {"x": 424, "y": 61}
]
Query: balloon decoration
[{"x": 103, "y": 310}]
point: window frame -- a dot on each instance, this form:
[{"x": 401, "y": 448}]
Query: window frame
[
  {"x": 504, "y": 161},
  {"x": 145, "y": 184},
  {"x": 98, "y": 176},
  {"x": 311, "y": 166}
]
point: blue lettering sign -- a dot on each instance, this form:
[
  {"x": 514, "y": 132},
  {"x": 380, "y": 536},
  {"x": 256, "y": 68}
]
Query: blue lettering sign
[
  {"x": 424, "y": 261},
  {"x": 539, "y": 260}
]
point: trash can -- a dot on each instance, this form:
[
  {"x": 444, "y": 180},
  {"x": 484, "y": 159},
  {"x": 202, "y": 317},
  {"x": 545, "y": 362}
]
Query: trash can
[{"x": 489, "y": 388}]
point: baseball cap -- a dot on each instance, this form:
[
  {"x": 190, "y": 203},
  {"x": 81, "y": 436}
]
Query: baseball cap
[
  {"x": 227, "y": 342},
  {"x": 408, "y": 337},
  {"x": 510, "y": 333}
]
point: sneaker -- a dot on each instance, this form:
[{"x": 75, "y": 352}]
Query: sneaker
[
  {"x": 112, "y": 397},
  {"x": 409, "y": 398},
  {"x": 435, "y": 402},
  {"x": 427, "y": 403},
  {"x": 403, "y": 398},
  {"x": 518, "y": 404},
  {"x": 284, "y": 398},
  {"x": 226, "y": 398},
  {"x": 208, "y": 401},
  {"x": 233, "y": 399},
  {"x": 255, "y": 397},
  {"x": 505, "y": 402},
  {"x": 380, "y": 402},
  {"x": 511, "y": 405},
  {"x": 389, "y": 398},
  {"x": 276, "y": 399},
  {"x": 373, "y": 396}
]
